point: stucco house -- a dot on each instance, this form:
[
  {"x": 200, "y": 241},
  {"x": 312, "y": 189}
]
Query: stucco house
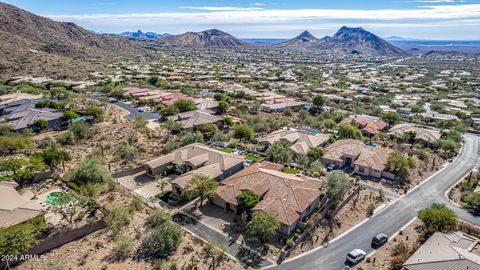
[
  {"x": 290, "y": 198},
  {"x": 422, "y": 135},
  {"x": 363, "y": 159},
  {"x": 194, "y": 119},
  {"x": 300, "y": 141},
  {"x": 369, "y": 126},
  {"x": 193, "y": 159}
]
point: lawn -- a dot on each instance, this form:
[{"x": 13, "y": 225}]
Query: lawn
[
  {"x": 252, "y": 158},
  {"x": 226, "y": 150},
  {"x": 290, "y": 170},
  {"x": 5, "y": 177}
]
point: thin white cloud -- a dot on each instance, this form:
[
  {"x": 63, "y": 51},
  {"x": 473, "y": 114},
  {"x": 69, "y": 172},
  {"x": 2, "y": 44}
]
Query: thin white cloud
[
  {"x": 257, "y": 4},
  {"x": 225, "y": 15},
  {"x": 220, "y": 8},
  {"x": 241, "y": 21},
  {"x": 105, "y": 4}
]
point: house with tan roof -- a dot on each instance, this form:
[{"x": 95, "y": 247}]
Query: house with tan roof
[
  {"x": 368, "y": 126},
  {"x": 300, "y": 141},
  {"x": 194, "y": 119},
  {"x": 15, "y": 209},
  {"x": 169, "y": 99},
  {"x": 452, "y": 251},
  {"x": 422, "y": 135},
  {"x": 365, "y": 160},
  {"x": 290, "y": 198},
  {"x": 193, "y": 159}
]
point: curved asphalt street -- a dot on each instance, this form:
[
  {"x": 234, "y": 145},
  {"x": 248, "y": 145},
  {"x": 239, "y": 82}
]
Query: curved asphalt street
[{"x": 394, "y": 217}]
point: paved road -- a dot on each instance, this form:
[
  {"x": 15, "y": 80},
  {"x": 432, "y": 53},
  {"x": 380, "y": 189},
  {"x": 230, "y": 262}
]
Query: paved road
[
  {"x": 133, "y": 111},
  {"x": 396, "y": 215}
]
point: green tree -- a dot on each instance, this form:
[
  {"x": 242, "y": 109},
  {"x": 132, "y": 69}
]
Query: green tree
[
  {"x": 23, "y": 170},
  {"x": 391, "y": 118},
  {"x": 263, "y": 225},
  {"x": 247, "y": 200},
  {"x": 69, "y": 115},
  {"x": 90, "y": 170},
  {"x": 185, "y": 105},
  {"x": 438, "y": 218},
  {"x": 400, "y": 165},
  {"x": 318, "y": 102},
  {"x": 349, "y": 132},
  {"x": 12, "y": 143},
  {"x": 315, "y": 153},
  {"x": 201, "y": 186},
  {"x": 187, "y": 138},
  {"x": 329, "y": 124},
  {"x": 280, "y": 152},
  {"x": 228, "y": 121},
  {"x": 54, "y": 156},
  {"x": 162, "y": 240},
  {"x": 208, "y": 130},
  {"x": 41, "y": 123},
  {"x": 223, "y": 106},
  {"x": 337, "y": 185},
  {"x": 95, "y": 111},
  {"x": 243, "y": 132},
  {"x": 169, "y": 110}
]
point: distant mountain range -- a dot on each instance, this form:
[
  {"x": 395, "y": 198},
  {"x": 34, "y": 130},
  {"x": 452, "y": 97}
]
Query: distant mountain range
[
  {"x": 212, "y": 38},
  {"x": 354, "y": 41},
  {"x": 141, "y": 35},
  {"x": 305, "y": 38}
]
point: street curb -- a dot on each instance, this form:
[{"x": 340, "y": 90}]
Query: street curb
[{"x": 392, "y": 236}]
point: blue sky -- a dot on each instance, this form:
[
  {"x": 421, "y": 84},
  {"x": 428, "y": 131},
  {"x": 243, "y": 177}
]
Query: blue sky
[{"x": 427, "y": 19}]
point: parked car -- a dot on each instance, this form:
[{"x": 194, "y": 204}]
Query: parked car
[
  {"x": 356, "y": 255},
  {"x": 331, "y": 167},
  {"x": 379, "y": 239}
]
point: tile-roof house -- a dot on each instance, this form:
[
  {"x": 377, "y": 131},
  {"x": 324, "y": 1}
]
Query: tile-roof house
[
  {"x": 196, "y": 159},
  {"x": 193, "y": 119},
  {"x": 451, "y": 251},
  {"x": 169, "y": 99},
  {"x": 368, "y": 126},
  {"x": 15, "y": 209},
  {"x": 422, "y": 135},
  {"x": 365, "y": 160},
  {"x": 300, "y": 141},
  {"x": 290, "y": 198},
  {"x": 27, "y": 118}
]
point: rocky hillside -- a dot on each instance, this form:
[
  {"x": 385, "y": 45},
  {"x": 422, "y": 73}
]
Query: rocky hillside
[
  {"x": 357, "y": 41},
  {"x": 34, "y": 45},
  {"x": 212, "y": 38},
  {"x": 305, "y": 38}
]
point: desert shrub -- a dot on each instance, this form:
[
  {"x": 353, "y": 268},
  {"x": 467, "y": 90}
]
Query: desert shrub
[
  {"x": 67, "y": 138},
  {"x": 162, "y": 240},
  {"x": 123, "y": 246},
  {"x": 118, "y": 217},
  {"x": 158, "y": 217},
  {"x": 137, "y": 203}
]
